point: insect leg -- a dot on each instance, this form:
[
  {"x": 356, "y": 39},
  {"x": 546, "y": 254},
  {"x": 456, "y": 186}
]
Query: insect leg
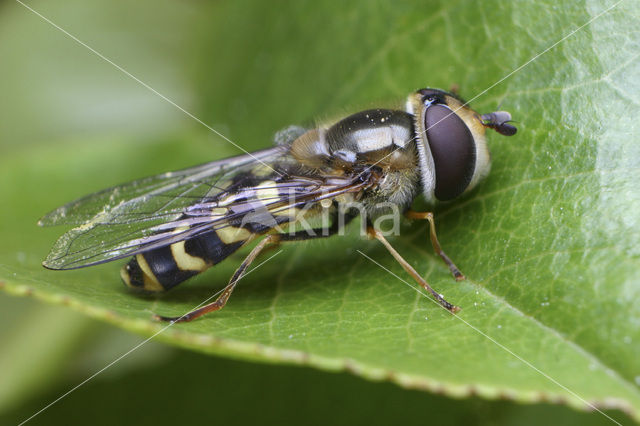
[
  {"x": 269, "y": 241},
  {"x": 226, "y": 293},
  {"x": 435, "y": 243},
  {"x": 407, "y": 267}
]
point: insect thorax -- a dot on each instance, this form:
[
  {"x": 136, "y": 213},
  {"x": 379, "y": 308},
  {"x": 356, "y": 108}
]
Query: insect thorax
[{"x": 378, "y": 141}]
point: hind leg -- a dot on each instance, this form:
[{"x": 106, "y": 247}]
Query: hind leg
[
  {"x": 268, "y": 242},
  {"x": 226, "y": 293}
]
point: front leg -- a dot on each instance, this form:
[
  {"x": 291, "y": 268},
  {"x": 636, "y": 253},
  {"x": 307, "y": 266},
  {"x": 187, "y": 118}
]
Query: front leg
[{"x": 435, "y": 243}]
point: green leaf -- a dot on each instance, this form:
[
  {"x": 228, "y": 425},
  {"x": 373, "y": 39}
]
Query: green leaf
[
  {"x": 549, "y": 242},
  {"x": 230, "y": 387},
  {"x": 33, "y": 350}
]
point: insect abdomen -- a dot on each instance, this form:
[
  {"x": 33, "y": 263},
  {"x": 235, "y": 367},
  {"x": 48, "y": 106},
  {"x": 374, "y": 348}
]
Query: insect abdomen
[{"x": 166, "y": 267}]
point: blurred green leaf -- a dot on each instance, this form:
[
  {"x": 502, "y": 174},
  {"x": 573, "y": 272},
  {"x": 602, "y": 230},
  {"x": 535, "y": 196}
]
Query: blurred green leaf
[
  {"x": 34, "y": 349},
  {"x": 234, "y": 393},
  {"x": 50, "y": 345},
  {"x": 549, "y": 242}
]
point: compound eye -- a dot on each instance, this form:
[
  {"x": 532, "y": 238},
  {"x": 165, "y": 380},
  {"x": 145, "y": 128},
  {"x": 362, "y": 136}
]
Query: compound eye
[{"x": 453, "y": 149}]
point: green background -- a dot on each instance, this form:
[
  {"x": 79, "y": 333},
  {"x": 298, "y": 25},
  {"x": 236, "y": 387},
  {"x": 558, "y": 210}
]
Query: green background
[{"x": 549, "y": 241}]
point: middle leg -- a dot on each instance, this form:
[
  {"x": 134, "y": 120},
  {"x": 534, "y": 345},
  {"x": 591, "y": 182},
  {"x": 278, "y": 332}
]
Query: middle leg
[{"x": 373, "y": 233}]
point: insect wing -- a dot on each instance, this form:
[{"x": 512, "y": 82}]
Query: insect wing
[{"x": 147, "y": 213}]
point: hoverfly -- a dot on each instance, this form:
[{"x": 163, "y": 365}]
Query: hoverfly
[{"x": 178, "y": 224}]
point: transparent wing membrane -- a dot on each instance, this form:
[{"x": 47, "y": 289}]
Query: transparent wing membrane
[
  {"x": 156, "y": 196},
  {"x": 168, "y": 208}
]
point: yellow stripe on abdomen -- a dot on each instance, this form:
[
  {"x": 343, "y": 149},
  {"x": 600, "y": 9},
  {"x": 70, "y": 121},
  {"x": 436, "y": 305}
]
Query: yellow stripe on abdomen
[
  {"x": 150, "y": 281},
  {"x": 185, "y": 261}
]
